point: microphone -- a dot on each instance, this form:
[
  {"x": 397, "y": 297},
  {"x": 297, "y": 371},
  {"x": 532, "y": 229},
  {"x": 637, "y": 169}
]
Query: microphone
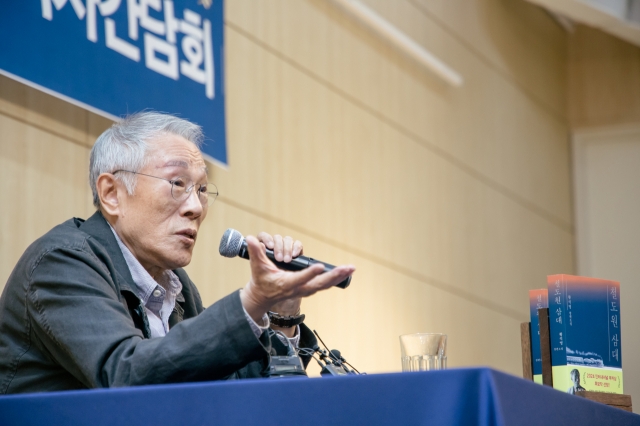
[
  {"x": 335, "y": 354},
  {"x": 232, "y": 244},
  {"x": 335, "y": 364}
]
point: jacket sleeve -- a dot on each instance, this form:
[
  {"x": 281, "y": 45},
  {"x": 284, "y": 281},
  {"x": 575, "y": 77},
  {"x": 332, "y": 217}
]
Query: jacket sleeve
[{"x": 77, "y": 316}]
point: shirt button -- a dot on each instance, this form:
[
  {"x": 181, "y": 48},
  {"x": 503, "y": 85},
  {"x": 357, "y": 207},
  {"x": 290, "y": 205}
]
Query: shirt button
[{"x": 157, "y": 293}]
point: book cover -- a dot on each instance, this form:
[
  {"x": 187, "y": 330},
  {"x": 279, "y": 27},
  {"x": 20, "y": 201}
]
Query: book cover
[
  {"x": 584, "y": 320},
  {"x": 537, "y": 300}
]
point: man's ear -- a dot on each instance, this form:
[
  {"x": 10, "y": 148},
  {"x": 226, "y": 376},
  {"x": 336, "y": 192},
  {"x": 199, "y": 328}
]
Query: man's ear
[{"x": 107, "y": 187}]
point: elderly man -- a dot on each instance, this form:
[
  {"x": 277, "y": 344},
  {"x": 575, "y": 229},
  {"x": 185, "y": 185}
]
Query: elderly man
[
  {"x": 575, "y": 378},
  {"x": 104, "y": 302}
]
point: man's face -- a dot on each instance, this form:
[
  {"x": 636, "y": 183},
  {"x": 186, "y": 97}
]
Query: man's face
[
  {"x": 160, "y": 231},
  {"x": 575, "y": 378}
]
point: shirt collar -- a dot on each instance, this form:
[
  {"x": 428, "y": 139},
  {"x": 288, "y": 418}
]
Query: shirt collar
[{"x": 148, "y": 288}]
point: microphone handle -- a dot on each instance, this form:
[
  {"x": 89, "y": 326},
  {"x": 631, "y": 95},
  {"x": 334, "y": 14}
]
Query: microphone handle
[{"x": 297, "y": 264}]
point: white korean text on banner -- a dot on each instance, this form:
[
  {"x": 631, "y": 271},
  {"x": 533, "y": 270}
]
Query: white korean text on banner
[{"x": 116, "y": 57}]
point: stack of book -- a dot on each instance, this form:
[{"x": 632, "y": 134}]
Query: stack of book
[{"x": 584, "y": 323}]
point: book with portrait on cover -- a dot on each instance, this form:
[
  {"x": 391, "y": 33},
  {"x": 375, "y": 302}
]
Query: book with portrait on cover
[{"x": 584, "y": 322}]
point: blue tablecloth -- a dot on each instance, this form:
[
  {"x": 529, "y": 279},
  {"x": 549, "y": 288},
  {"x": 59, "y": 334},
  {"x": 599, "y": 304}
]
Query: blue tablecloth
[{"x": 475, "y": 396}]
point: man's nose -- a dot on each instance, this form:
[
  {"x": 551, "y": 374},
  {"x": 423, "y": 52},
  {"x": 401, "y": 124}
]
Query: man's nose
[{"x": 192, "y": 204}]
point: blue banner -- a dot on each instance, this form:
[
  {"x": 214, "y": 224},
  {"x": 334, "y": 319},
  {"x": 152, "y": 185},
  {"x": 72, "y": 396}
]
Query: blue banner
[{"x": 116, "y": 57}]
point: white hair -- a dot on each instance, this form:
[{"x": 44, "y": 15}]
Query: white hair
[{"x": 124, "y": 146}]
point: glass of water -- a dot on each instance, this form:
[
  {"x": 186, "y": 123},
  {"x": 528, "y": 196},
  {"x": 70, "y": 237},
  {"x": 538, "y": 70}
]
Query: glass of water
[{"x": 423, "y": 351}]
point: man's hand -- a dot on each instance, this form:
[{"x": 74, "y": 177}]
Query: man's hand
[
  {"x": 284, "y": 248},
  {"x": 270, "y": 286}
]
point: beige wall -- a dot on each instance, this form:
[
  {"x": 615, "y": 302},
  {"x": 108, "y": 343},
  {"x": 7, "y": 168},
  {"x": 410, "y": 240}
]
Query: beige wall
[
  {"x": 451, "y": 202},
  {"x": 604, "y": 112},
  {"x": 604, "y": 80}
]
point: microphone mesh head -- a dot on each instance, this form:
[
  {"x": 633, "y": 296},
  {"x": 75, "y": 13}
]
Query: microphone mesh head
[{"x": 230, "y": 243}]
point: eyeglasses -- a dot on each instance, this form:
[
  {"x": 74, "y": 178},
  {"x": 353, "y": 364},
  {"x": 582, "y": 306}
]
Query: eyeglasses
[{"x": 181, "y": 188}]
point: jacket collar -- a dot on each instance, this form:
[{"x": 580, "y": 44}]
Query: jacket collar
[{"x": 98, "y": 227}]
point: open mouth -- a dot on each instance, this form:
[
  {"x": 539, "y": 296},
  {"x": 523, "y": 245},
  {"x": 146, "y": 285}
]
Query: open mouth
[{"x": 188, "y": 233}]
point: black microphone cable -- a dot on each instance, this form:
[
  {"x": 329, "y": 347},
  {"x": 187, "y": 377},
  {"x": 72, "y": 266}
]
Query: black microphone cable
[{"x": 337, "y": 360}]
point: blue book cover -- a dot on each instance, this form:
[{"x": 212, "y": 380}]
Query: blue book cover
[
  {"x": 537, "y": 300},
  {"x": 584, "y": 321}
]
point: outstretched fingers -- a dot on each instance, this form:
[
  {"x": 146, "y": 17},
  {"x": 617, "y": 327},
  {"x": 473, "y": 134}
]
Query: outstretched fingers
[
  {"x": 296, "y": 279},
  {"x": 308, "y": 284},
  {"x": 270, "y": 285}
]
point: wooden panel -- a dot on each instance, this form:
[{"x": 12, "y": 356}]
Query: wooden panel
[
  {"x": 512, "y": 36},
  {"x": 604, "y": 79},
  {"x": 42, "y": 111},
  {"x": 365, "y": 320},
  {"x": 95, "y": 126},
  {"x": 47, "y": 184},
  {"x": 489, "y": 127},
  {"x": 315, "y": 161}
]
